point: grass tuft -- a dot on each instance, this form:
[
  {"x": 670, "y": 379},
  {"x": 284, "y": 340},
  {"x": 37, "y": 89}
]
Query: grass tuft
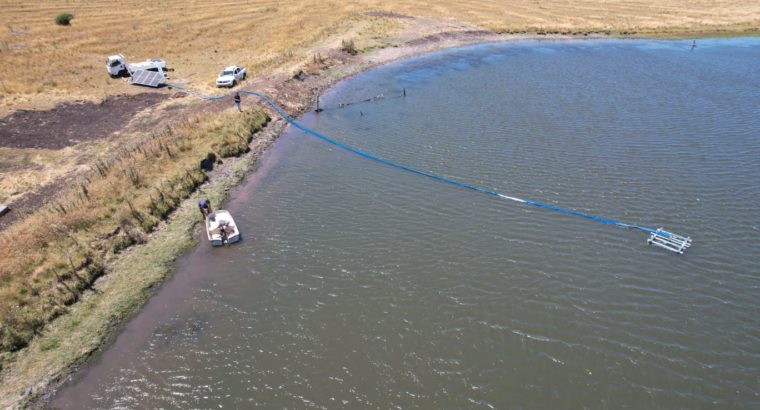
[{"x": 349, "y": 47}]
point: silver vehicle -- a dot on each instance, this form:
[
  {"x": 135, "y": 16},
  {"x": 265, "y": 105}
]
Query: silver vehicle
[{"x": 230, "y": 76}]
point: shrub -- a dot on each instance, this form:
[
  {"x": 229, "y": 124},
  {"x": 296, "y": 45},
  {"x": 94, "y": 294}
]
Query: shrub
[
  {"x": 349, "y": 47},
  {"x": 64, "y": 19}
]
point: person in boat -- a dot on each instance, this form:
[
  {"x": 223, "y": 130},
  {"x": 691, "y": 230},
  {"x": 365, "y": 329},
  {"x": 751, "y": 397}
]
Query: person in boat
[
  {"x": 205, "y": 206},
  {"x": 223, "y": 227}
]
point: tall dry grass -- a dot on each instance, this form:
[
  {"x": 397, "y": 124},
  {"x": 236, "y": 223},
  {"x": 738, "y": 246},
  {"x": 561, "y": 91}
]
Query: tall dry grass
[
  {"x": 54, "y": 254},
  {"x": 41, "y": 61}
]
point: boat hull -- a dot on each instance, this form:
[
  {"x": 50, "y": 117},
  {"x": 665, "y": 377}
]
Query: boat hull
[{"x": 214, "y": 237}]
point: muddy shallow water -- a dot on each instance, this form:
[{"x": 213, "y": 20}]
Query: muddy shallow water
[{"x": 358, "y": 285}]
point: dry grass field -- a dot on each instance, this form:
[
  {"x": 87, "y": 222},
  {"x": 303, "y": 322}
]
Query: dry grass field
[
  {"x": 121, "y": 185},
  {"x": 42, "y": 63}
]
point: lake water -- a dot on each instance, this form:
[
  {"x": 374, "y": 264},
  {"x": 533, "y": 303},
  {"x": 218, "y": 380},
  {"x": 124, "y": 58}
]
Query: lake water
[{"x": 359, "y": 285}]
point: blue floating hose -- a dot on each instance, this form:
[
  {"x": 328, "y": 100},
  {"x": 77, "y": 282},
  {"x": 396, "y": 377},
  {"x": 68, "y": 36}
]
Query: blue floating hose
[{"x": 381, "y": 160}]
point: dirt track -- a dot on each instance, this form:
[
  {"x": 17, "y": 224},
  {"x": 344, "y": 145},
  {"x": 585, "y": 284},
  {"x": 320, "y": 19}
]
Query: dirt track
[{"x": 71, "y": 123}]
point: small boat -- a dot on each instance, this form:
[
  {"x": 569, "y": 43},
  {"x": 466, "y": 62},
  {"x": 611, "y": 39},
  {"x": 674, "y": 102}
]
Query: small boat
[{"x": 221, "y": 228}]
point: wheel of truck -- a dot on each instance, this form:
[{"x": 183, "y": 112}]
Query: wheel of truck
[
  {"x": 234, "y": 83},
  {"x": 244, "y": 74}
]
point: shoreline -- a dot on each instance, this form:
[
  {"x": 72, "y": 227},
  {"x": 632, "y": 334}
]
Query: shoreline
[
  {"x": 177, "y": 234},
  {"x": 37, "y": 372}
]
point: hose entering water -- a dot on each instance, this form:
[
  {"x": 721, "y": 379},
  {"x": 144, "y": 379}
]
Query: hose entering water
[{"x": 659, "y": 237}]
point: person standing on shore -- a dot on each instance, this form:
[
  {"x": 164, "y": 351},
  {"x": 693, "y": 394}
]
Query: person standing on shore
[
  {"x": 205, "y": 206},
  {"x": 237, "y": 101}
]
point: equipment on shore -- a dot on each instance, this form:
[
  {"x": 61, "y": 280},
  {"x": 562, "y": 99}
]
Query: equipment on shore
[
  {"x": 146, "y": 78},
  {"x": 221, "y": 228},
  {"x": 148, "y": 73},
  {"x": 659, "y": 237},
  {"x": 117, "y": 65}
]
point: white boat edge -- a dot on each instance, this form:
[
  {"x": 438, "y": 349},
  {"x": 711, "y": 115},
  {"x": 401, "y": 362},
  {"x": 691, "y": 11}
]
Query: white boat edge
[{"x": 216, "y": 239}]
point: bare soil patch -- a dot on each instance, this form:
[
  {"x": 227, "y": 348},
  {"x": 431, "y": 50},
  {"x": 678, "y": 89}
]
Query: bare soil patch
[
  {"x": 34, "y": 200},
  {"x": 72, "y": 123},
  {"x": 75, "y": 123}
]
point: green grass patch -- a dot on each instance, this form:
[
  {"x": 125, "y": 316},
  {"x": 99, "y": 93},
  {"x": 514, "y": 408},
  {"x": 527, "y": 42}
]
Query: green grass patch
[{"x": 49, "y": 344}]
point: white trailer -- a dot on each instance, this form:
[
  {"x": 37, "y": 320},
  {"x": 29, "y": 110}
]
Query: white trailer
[
  {"x": 230, "y": 76},
  {"x": 116, "y": 65}
]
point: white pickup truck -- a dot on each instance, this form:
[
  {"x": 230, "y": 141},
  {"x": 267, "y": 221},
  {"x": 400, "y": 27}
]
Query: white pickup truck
[
  {"x": 230, "y": 76},
  {"x": 117, "y": 65}
]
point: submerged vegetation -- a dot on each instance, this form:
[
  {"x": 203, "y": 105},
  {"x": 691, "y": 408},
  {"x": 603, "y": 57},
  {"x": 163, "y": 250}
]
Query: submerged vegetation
[{"x": 56, "y": 253}]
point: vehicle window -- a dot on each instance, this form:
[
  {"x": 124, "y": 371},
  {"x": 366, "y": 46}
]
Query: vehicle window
[
  {"x": 227, "y": 72},
  {"x": 114, "y": 63}
]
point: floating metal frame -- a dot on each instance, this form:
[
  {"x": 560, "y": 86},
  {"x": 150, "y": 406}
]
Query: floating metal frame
[{"x": 670, "y": 241}]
